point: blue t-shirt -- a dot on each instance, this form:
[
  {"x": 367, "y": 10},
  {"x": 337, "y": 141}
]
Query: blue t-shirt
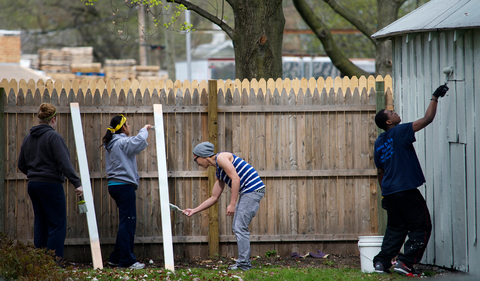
[{"x": 394, "y": 153}]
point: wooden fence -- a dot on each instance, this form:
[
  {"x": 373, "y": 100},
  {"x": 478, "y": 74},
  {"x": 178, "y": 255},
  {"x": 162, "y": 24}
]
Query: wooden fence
[{"x": 310, "y": 140}]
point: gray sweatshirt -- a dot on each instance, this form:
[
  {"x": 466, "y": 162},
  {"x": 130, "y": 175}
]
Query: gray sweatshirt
[{"x": 121, "y": 161}]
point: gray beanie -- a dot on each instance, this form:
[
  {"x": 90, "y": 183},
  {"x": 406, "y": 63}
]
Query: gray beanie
[{"x": 205, "y": 149}]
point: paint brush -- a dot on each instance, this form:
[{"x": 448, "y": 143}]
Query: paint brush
[
  {"x": 175, "y": 208},
  {"x": 82, "y": 207}
]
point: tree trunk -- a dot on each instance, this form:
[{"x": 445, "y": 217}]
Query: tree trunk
[
  {"x": 387, "y": 11},
  {"x": 257, "y": 38}
]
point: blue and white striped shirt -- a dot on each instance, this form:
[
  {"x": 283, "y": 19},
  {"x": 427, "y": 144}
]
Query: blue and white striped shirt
[{"x": 249, "y": 179}]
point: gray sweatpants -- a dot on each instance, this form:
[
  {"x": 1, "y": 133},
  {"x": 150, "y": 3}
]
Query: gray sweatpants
[{"x": 245, "y": 210}]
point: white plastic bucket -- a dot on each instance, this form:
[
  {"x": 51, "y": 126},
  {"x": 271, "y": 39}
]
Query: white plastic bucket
[{"x": 369, "y": 247}]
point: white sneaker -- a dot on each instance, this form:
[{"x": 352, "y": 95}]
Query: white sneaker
[
  {"x": 137, "y": 265},
  {"x": 233, "y": 267}
]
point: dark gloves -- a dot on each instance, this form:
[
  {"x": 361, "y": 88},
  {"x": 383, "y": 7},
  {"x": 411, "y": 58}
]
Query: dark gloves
[{"x": 440, "y": 91}]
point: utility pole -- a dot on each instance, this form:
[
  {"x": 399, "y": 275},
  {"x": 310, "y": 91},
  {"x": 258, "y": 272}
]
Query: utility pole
[
  {"x": 141, "y": 35},
  {"x": 188, "y": 47}
]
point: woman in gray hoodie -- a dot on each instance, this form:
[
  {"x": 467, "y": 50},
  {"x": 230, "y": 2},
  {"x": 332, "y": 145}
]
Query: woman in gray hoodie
[{"x": 121, "y": 168}]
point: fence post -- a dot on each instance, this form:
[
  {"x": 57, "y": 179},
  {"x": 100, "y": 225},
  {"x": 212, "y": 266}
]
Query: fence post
[
  {"x": 382, "y": 214},
  {"x": 213, "y": 235},
  {"x": 2, "y": 162}
]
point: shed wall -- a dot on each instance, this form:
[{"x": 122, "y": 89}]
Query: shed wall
[{"x": 447, "y": 148}]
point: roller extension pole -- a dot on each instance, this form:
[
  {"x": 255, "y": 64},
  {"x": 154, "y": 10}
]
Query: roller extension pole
[
  {"x": 163, "y": 187},
  {"x": 87, "y": 188}
]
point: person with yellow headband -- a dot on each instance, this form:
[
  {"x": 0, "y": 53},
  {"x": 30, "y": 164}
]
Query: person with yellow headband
[
  {"x": 45, "y": 159},
  {"x": 121, "y": 168}
]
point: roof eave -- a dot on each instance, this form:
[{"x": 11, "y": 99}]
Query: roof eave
[{"x": 379, "y": 36}]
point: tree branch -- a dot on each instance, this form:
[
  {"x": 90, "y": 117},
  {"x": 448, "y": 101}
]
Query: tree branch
[
  {"x": 201, "y": 12},
  {"x": 351, "y": 18},
  {"x": 399, "y": 3},
  {"x": 323, "y": 33}
]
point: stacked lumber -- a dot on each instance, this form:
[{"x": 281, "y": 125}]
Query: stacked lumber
[
  {"x": 54, "y": 61},
  {"x": 80, "y": 55},
  {"x": 119, "y": 69},
  {"x": 82, "y": 63},
  {"x": 146, "y": 72},
  {"x": 86, "y": 67},
  {"x": 60, "y": 63}
]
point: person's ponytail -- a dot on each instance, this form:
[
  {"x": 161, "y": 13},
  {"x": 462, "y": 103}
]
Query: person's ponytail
[{"x": 109, "y": 134}]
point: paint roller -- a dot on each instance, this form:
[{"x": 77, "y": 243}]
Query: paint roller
[
  {"x": 447, "y": 71},
  {"x": 175, "y": 208}
]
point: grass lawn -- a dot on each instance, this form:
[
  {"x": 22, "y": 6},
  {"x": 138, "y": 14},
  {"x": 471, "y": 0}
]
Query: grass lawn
[{"x": 264, "y": 273}]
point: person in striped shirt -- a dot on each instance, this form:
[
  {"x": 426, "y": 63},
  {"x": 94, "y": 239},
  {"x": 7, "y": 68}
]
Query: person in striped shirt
[{"x": 245, "y": 185}]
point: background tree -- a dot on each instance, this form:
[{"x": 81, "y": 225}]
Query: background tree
[
  {"x": 256, "y": 33},
  {"x": 255, "y": 27},
  {"x": 57, "y": 23},
  {"x": 387, "y": 11},
  {"x": 323, "y": 33}
]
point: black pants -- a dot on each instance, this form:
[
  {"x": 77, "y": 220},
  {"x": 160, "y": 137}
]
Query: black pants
[
  {"x": 49, "y": 208},
  {"x": 124, "y": 196},
  {"x": 407, "y": 215}
]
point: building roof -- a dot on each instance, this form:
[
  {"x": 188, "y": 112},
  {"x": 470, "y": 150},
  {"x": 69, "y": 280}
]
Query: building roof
[
  {"x": 16, "y": 71},
  {"x": 435, "y": 15}
]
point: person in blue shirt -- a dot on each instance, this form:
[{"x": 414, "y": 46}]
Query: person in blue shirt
[
  {"x": 123, "y": 179},
  {"x": 245, "y": 185},
  {"x": 400, "y": 175}
]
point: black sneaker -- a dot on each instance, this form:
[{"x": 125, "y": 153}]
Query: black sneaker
[
  {"x": 401, "y": 268},
  {"x": 379, "y": 268}
]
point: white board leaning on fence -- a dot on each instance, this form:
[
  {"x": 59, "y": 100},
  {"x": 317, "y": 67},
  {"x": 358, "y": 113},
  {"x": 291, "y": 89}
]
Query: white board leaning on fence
[
  {"x": 163, "y": 187},
  {"x": 87, "y": 188}
]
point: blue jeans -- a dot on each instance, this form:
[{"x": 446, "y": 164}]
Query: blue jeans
[
  {"x": 246, "y": 209},
  {"x": 50, "y": 210},
  {"x": 124, "y": 196}
]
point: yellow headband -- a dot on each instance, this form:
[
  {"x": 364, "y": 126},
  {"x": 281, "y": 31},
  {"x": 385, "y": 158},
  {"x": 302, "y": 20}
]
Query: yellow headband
[{"x": 120, "y": 125}]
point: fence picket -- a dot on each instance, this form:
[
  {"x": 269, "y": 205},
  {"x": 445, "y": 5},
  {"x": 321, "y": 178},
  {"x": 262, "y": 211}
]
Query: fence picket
[
  {"x": 108, "y": 206},
  {"x": 284, "y": 193},
  {"x": 95, "y": 153},
  {"x": 301, "y": 192}
]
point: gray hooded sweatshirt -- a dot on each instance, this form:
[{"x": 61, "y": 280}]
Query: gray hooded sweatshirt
[{"x": 121, "y": 161}]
